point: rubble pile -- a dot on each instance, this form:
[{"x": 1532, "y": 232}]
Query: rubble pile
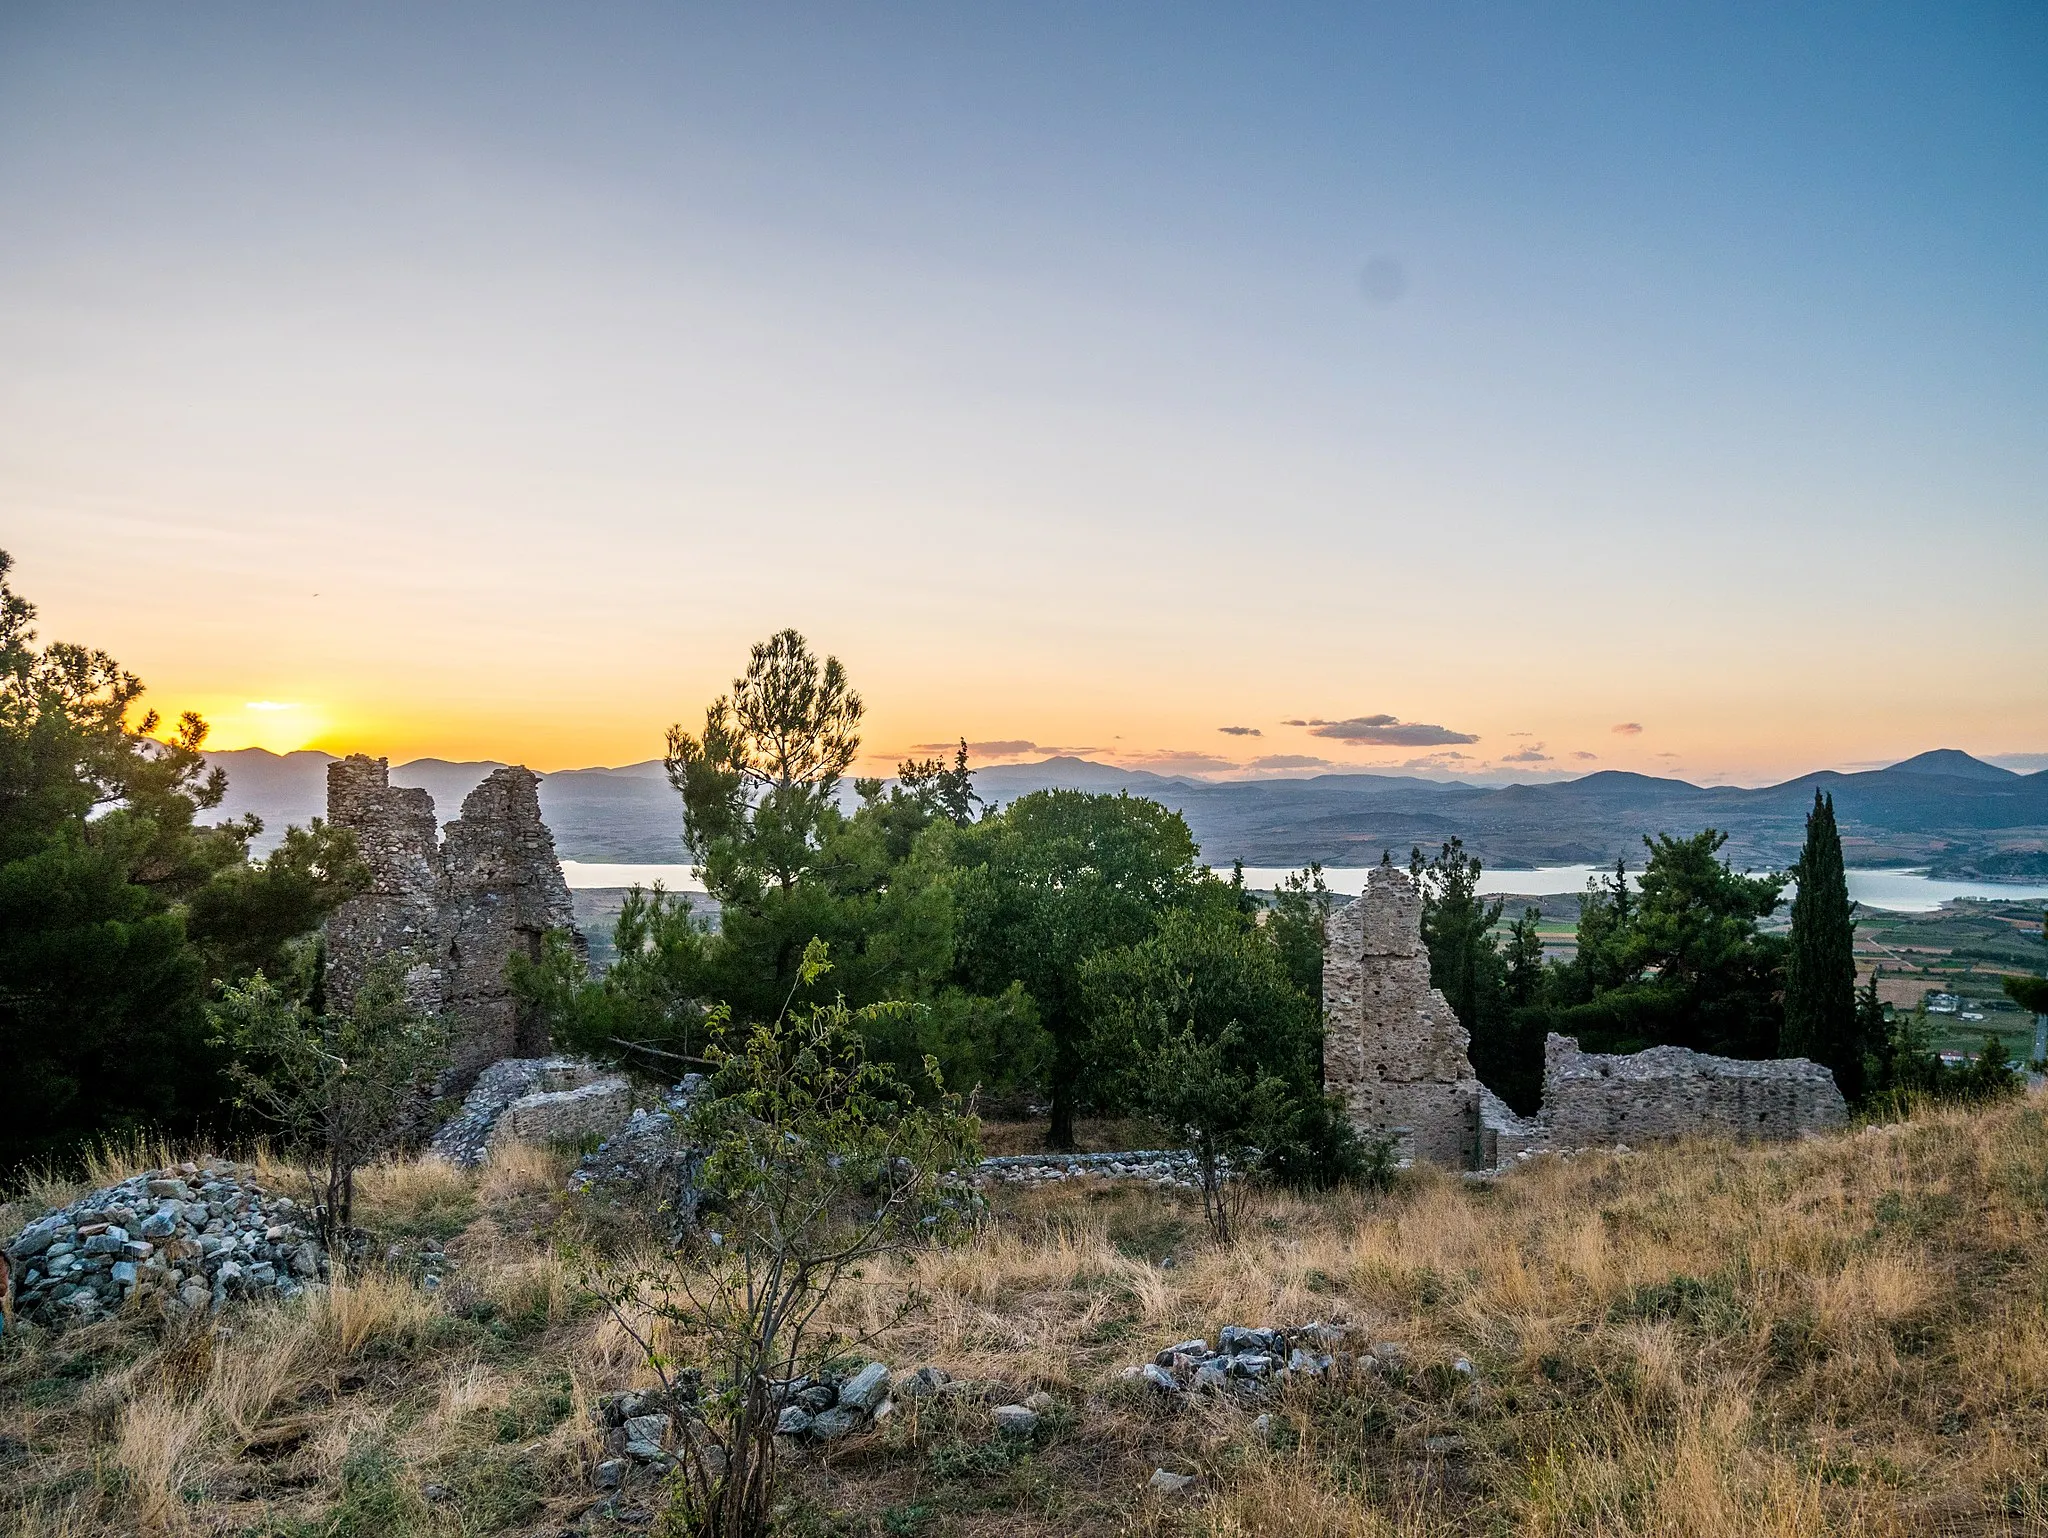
[{"x": 196, "y": 1235}]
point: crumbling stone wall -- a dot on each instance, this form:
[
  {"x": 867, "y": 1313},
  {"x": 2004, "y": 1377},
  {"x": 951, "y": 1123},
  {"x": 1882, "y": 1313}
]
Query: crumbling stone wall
[
  {"x": 399, "y": 840},
  {"x": 1595, "y": 1098},
  {"x": 460, "y": 909},
  {"x": 1392, "y": 1047},
  {"x": 504, "y": 891},
  {"x": 1395, "y": 1052}
]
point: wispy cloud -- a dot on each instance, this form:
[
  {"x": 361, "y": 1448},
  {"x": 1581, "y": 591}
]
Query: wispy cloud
[
  {"x": 1240, "y": 731},
  {"x": 1386, "y": 731},
  {"x": 1627, "y": 728},
  {"x": 1007, "y": 747},
  {"x": 1532, "y": 754},
  {"x": 1582, "y": 753},
  {"x": 1292, "y": 761},
  {"x": 1178, "y": 761}
]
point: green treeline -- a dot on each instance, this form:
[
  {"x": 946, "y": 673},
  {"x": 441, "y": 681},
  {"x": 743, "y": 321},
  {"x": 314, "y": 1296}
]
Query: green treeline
[
  {"x": 1054, "y": 951},
  {"x": 1066, "y": 954}
]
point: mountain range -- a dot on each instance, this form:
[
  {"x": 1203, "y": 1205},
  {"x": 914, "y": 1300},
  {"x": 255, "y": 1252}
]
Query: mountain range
[{"x": 1944, "y": 810}]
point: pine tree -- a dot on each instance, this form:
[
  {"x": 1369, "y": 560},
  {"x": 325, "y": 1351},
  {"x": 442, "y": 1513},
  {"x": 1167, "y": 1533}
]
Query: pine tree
[{"x": 1821, "y": 1020}]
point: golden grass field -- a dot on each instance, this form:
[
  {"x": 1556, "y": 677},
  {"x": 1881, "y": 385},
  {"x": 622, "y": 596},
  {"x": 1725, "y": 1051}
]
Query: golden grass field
[{"x": 1846, "y": 1335}]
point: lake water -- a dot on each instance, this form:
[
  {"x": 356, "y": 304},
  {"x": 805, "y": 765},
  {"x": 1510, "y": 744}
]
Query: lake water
[{"x": 1900, "y": 891}]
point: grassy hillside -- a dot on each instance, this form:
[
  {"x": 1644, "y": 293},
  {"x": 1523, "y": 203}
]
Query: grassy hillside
[{"x": 1848, "y": 1335}]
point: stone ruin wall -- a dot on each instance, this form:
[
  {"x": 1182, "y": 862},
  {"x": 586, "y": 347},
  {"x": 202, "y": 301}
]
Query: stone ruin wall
[
  {"x": 460, "y": 907},
  {"x": 1392, "y": 1047},
  {"x": 1394, "y": 1050},
  {"x": 1595, "y": 1098}
]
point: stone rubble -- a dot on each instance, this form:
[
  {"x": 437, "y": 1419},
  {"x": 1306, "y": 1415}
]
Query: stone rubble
[
  {"x": 1169, "y": 1168},
  {"x": 646, "y": 1159},
  {"x": 1249, "y": 1363},
  {"x": 654, "y": 1429},
  {"x": 533, "y": 1100},
  {"x": 195, "y": 1236}
]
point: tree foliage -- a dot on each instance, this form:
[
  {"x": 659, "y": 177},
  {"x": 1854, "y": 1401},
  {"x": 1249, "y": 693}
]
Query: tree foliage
[
  {"x": 760, "y": 781},
  {"x": 336, "y": 1084},
  {"x": 118, "y": 909},
  {"x": 1059, "y": 878},
  {"x": 1821, "y": 1018}
]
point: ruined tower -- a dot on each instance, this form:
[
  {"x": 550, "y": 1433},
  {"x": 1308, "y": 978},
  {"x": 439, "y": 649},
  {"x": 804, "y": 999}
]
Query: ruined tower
[
  {"x": 457, "y": 911},
  {"x": 1392, "y": 1047},
  {"x": 397, "y": 837},
  {"x": 504, "y": 893}
]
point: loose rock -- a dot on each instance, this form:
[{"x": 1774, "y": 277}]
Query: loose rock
[{"x": 194, "y": 1237}]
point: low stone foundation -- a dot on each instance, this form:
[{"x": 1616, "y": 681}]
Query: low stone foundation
[{"x": 1596, "y": 1098}]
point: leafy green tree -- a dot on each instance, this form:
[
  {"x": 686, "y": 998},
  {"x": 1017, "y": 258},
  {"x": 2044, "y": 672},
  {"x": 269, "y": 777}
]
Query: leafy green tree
[
  {"x": 824, "y": 1162},
  {"x": 1298, "y": 925},
  {"x": 1209, "y": 968},
  {"x": 1680, "y": 962},
  {"x": 1222, "y": 1111},
  {"x": 1055, "y": 879},
  {"x": 335, "y": 1083},
  {"x": 1821, "y": 1021},
  {"x": 2032, "y": 993},
  {"x": 760, "y": 782},
  {"x": 117, "y": 909},
  {"x": 1523, "y": 955}
]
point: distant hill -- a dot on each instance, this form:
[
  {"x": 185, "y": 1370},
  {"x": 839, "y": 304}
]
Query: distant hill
[{"x": 1942, "y": 809}]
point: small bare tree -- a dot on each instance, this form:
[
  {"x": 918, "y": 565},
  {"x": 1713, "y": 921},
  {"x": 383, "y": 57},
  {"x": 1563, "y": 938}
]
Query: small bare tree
[
  {"x": 336, "y": 1084},
  {"x": 818, "y": 1161}
]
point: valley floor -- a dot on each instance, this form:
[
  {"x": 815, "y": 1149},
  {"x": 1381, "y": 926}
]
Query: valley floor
[{"x": 1847, "y": 1335}]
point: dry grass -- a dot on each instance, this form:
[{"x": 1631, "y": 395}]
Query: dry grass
[{"x": 1842, "y": 1336}]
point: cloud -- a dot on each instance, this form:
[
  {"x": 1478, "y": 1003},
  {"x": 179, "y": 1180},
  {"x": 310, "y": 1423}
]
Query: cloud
[
  {"x": 1294, "y": 721},
  {"x": 1178, "y": 761},
  {"x": 1532, "y": 754},
  {"x": 1009, "y": 747},
  {"x": 1521, "y": 734},
  {"x": 1292, "y": 761},
  {"x": 1387, "y": 731},
  {"x": 1240, "y": 731},
  {"x": 1667, "y": 755},
  {"x": 1440, "y": 761},
  {"x": 1627, "y": 728},
  {"x": 1582, "y": 753}
]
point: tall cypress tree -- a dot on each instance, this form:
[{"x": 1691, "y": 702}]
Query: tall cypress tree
[{"x": 1820, "y": 973}]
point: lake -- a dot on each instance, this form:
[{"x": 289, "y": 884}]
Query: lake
[{"x": 1899, "y": 891}]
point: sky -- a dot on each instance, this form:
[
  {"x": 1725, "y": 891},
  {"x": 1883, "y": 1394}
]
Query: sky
[{"x": 1493, "y": 391}]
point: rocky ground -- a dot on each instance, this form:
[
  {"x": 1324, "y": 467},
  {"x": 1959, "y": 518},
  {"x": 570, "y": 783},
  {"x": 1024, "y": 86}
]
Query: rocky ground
[{"x": 1846, "y": 1335}]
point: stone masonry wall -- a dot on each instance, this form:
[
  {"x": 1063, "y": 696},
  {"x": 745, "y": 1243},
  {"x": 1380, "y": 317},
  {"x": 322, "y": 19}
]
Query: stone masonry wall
[
  {"x": 399, "y": 840},
  {"x": 460, "y": 909},
  {"x": 1392, "y": 1047},
  {"x": 504, "y": 891},
  {"x": 1593, "y": 1098}
]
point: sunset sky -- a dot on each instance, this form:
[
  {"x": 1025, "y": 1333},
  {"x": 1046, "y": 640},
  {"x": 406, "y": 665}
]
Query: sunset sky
[{"x": 1497, "y": 389}]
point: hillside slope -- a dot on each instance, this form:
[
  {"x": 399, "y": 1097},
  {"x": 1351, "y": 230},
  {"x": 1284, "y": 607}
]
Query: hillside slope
[{"x": 1843, "y": 1336}]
